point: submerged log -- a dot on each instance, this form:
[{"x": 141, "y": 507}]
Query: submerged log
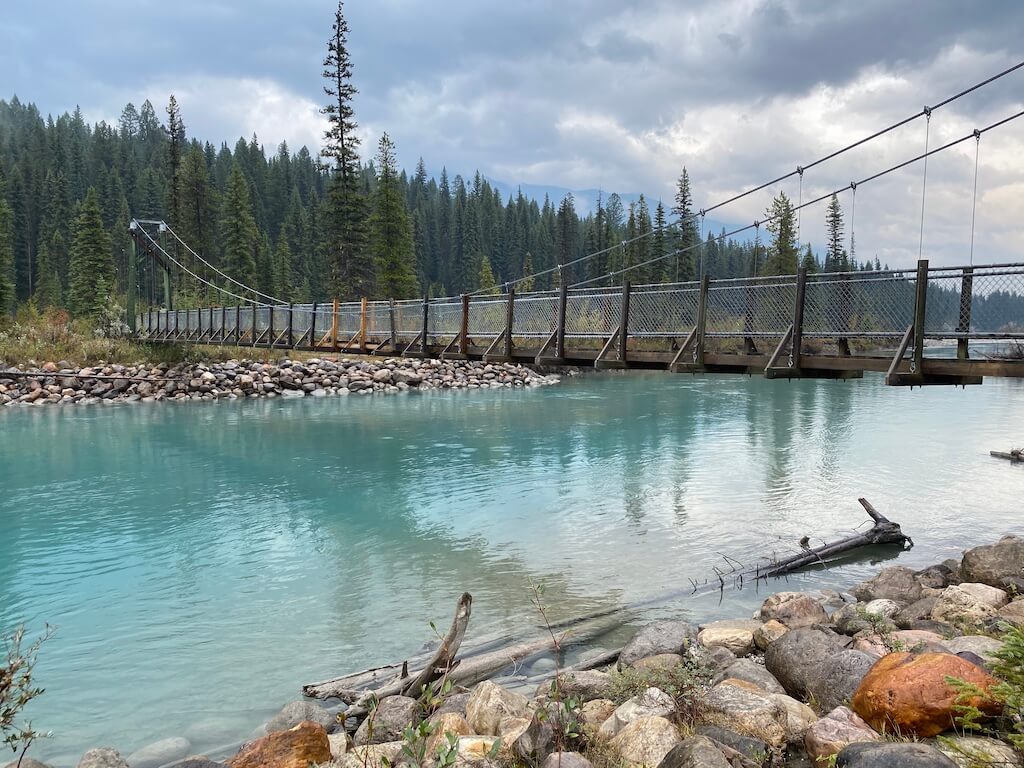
[
  {"x": 884, "y": 531},
  {"x": 1014, "y": 456},
  {"x": 444, "y": 657}
]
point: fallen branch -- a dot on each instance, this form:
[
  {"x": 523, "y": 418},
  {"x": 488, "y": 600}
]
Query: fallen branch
[
  {"x": 444, "y": 656},
  {"x": 1015, "y": 456}
]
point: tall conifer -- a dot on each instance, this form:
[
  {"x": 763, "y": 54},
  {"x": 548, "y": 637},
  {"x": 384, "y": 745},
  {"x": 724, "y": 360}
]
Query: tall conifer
[{"x": 91, "y": 275}]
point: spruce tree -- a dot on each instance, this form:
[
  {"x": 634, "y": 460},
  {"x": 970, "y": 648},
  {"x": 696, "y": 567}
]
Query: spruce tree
[
  {"x": 283, "y": 268},
  {"x": 565, "y": 237},
  {"x": 784, "y": 252},
  {"x": 689, "y": 232},
  {"x": 390, "y": 230},
  {"x": 92, "y": 271},
  {"x": 175, "y": 148},
  {"x": 6, "y": 259},
  {"x": 239, "y": 236},
  {"x": 833, "y": 235},
  {"x": 349, "y": 260},
  {"x": 48, "y": 288},
  {"x": 486, "y": 279}
]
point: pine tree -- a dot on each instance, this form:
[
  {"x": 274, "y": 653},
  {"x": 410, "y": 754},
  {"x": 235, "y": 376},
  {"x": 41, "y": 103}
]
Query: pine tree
[
  {"x": 175, "y": 147},
  {"x": 48, "y": 287},
  {"x": 390, "y": 230},
  {"x": 238, "y": 233},
  {"x": 92, "y": 271},
  {"x": 6, "y": 259},
  {"x": 283, "y": 268},
  {"x": 834, "y": 254},
  {"x": 526, "y": 285},
  {"x": 689, "y": 232},
  {"x": 196, "y": 221},
  {"x": 349, "y": 260},
  {"x": 659, "y": 246},
  {"x": 565, "y": 238},
  {"x": 486, "y": 279},
  {"x": 783, "y": 253},
  {"x": 809, "y": 262}
]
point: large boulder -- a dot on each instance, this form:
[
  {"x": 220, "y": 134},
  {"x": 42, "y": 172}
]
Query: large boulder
[
  {"x": 27, "y": 762},
  {"x": 297, "y": 747},
  {"x": 869, "y": 755},
  {"x": 388, "y": 721},
  {"x": 794, "y": 609},
  {"x": 834, "y": 731},
  {"x": 937, "y": 576},
  {"x": 102, "y": 757},
  {"x": 490, "y": 704},
  {"x": 980, "y": 752},
  {"x": 746, "y": 709},
  {"x": 839, "y": 677},
  {"x": 968, "y": 604},
  {"x": 586, "y": 686},
  {"x": 995, "y": 563},
  {"x": 593, "y": 713},
  {"x": 768, "y": 633},
  {"x": 795, "y": 657},
  {"x": 980, "y": 645},
  {"x": 735, "y": 634},
  {"x": 659, "y": 661},
  {"x": 160, "y": 753},
  {"x": 443, "y": 725},
  {"x": 853, "y": 618},
  {"x": 752, "y": 672},
  {"x": 916, "y": 611},
  {"x": 295, "y": 712},
  {"x": 909, "y": 693},
  {"x": 670, "y": 636},
  {"x": 651, "y": 703},
  {"x": 895, "y": 583},
  {"x": 1012, "y": 613},
  {"x": 748, "y": 746},
  {"x": 646, "y": 741},
  {"x": 455, "y": 702},
  {"x": 696, "y": 752},
  {"x": 371, "y": 755},
  {"x": 566, "y": 760}
]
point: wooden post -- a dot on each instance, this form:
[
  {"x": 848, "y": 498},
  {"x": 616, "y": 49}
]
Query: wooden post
[
  {"x": 798, "y": 317},
  {"x": 238, "y": 324},
  {"x": 334, "y": 327},
  {"x": 464, "y": 327},
  {"x": 964, "y": 325},
  {"x": 254, "y": 323},
  {"x": 362, "y": 325},
  {"x": 509, "y": 320},
  {"x": 291, "y": 324},
  {"x": 149, "y": 326},
  {"x": 270, "y": 326},
  {"x": 188, "y": 323},
  {"x": 133, "y": 283},
  {"x": 423, "y": 341},
  {"x": 176, "y": 319},
  {"x": 748, "y": 319},
  {"x": 563, "y": 298},
  {"x": 702, "y": 321},
  {"x": 920, "y": 302},
  {"x": 223, "y": 323},
  {"x": 845, "y": 310},
  {"x": 312, "y": 328},
  {"x": 391, "y": 321},
  {"x": 624, "y": 321}
]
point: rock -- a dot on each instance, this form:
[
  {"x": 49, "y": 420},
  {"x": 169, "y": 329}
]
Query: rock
[
  {"x": 979, "y": 752},
  {"x": 752, "y": 672},
  {"x": 1012, "y": 613},
  {"x": 532, "y": 739},
  {"x": 566, "y": 760},
  {"x": 795, "y": 657},
  {"x": 768, "y": 633},
  {"x": 748, "y": 710},
  {"x": 585, "y": 685},
  {"x": 838, "y": 728},
  {"x": 160, "y": 753},
  {"x": 917, "y": 640},
  {"x": 920, "y": 609},
  {"x": 444, "y": 724},
  {"x": 650, "y": 703},
  {"x": 475, "y": 748},
  {"x": 936, "y": 576},
  {"x": 793, "y": 609},
  {"x": 382, "y": 375},
  {"x": 887, "y": 609},
  {"x": 295, "y": 712},
  {"x": 372, "y": 756},
  {"x": 980, "y": 645},
  {"x": 102, "y": 757},
  {"x": 489, "y": 704},
  {"x": 198, "y": 762},
  {"x": 340, "y": 743},
  {"x": 646, "y": 741},
  {"x": 695, "y": 752},
  {"x": 993, "y": 563},
  {"x": 895, "y": 583},
  {"x": 295, "y": 748},
  {"x": 968, "y": 604},
  {"x": 669, "y": 636},
  {"x": 595, "y": 712},
  {"x": 659, "y": 661},
  {"x": 27, "y": 762},
  {"x": 798, "y": 717},
  {"x": 839, "y": 677},
  {"x": 714, "y": 659},
  {"x": 388, "y": 722},
  {"x": 749, "y": 747},
  {"x": 851, "y": 619},
  {"x": 869, "y": 755},
  {"x": 735, "y": 634},
  {"x": 455, "y": 702},
  {"x": 908, "y": 693}
]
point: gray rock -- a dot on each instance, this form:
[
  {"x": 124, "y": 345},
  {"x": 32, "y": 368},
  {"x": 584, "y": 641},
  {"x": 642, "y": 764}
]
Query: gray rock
[
  {"x": 387, "y": 723},
  {"x": 851, "y": 619},
  {"x": 587, "y": 685},
  {"x": 874, "y": 755},
  {"x": 936, "y": 576},
  {"x": 695, "y": 752},
  {"x": 198, "y": 762},
  {"x": 895, "y": 583},
  {"x": 566, "y": 760},
  {"x": 671, "y": 636},
  {"x": 916, "y": 611},
  {"x": 295, "y": 712},
  {"x": 27, "y": 762},
  {"x": 993, "y": 563},
  {"x": 455, "y": 703},
  {"x": 102, "y": 757},
  {"x": 980, "y": 645},
  {"x": 750, "y": 671},
  {"x": 160, "y": 753},
  {"x": 748, "y": 746},
  {"x": 839, "y": 677},
  {"x": 794, "y": 659}
]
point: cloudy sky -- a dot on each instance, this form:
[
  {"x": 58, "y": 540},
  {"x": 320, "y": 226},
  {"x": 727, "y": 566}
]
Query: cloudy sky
[{"x": 618, "y": 95}]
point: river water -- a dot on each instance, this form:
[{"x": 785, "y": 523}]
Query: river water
[{"x": 202, "y": 561}]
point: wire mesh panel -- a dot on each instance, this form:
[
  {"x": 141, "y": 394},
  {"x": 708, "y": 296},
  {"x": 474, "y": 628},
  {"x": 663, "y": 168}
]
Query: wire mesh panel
[
  {"x": 997, "y": 302},
  {"x": 943, "y": 304},
  {"x": 302, "y": 316},
  {"x": 262, "y": 319},
  {"x": 487, "y": 316},
  {"x": 408, "y": 319},
  {"x": 444, "y": 319},
  {"x": 244, "y": 319},
  {"x": 663, "y": 310},
  {"x": 378, "y": 320},
  {"x": 535, "y": 315},
  {"x": 754, "y": 307},
  {"x": 592, "y": 313},
  {"x": 280, "y": 320},
  {"x": 859, "y": 304}
]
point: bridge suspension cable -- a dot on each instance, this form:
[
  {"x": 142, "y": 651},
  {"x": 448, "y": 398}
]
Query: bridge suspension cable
[
  {"x": 975, "y": 134},
  {"x": 925, "y": 111}
]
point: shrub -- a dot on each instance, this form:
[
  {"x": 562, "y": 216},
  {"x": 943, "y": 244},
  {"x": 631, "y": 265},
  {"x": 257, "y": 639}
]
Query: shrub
[
  {"x": 686, "y": 683},
  {"x": 1008, "y": 667},
  {"x": 17, "y": 689}
]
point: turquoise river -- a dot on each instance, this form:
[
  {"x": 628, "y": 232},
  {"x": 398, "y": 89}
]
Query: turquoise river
[{"x": 202, "y": 561}]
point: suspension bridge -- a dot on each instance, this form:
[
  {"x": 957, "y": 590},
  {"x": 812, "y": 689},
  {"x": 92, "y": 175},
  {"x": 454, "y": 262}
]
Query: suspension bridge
[{"x": 921, "y": 326}]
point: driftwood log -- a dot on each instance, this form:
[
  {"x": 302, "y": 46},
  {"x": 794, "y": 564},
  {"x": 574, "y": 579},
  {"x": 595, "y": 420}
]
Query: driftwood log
[
  {"x": 444, "y": 657},
  {"x": 1014, "y": 456}
]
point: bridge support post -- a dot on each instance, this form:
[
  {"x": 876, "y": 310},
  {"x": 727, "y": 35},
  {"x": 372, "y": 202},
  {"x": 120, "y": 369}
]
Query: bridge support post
[
  {"x": 426, "y": 320},
  {"x": 334, "y": 326},
  {"x": 270, "y": 326},
  {"x": 391, "y": 322},
  {"x": 920, "y": 306},
  {"x": 132, "y": 284},
  {"x": 362, "y": 324},
  {"x": 964, "y": 325},
  {"x": 624, "y": 322},
  {"x": 464, "y": 327},
  {"x": 702, "y": 322},
  {"x": 798, "y": 319},
  {"x": 238, "y": 324},
  {"x": 563, "y": 298},
  {"x": 312, "y": 328},
  {"x": 254, "y": 323},
  {"x": 509, "y": 320},
  {"x": 291, "y": 324}
]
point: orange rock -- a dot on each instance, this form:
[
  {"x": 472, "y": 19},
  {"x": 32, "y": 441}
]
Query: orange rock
[
  {"x": 304, "y": 744},
  {"x": 908, "y": 693}
]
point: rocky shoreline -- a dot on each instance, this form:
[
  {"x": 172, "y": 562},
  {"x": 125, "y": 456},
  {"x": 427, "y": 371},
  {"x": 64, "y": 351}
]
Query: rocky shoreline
[
  {"x": 850, "y": 680},
  {"x": 62, "y": 383}
]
